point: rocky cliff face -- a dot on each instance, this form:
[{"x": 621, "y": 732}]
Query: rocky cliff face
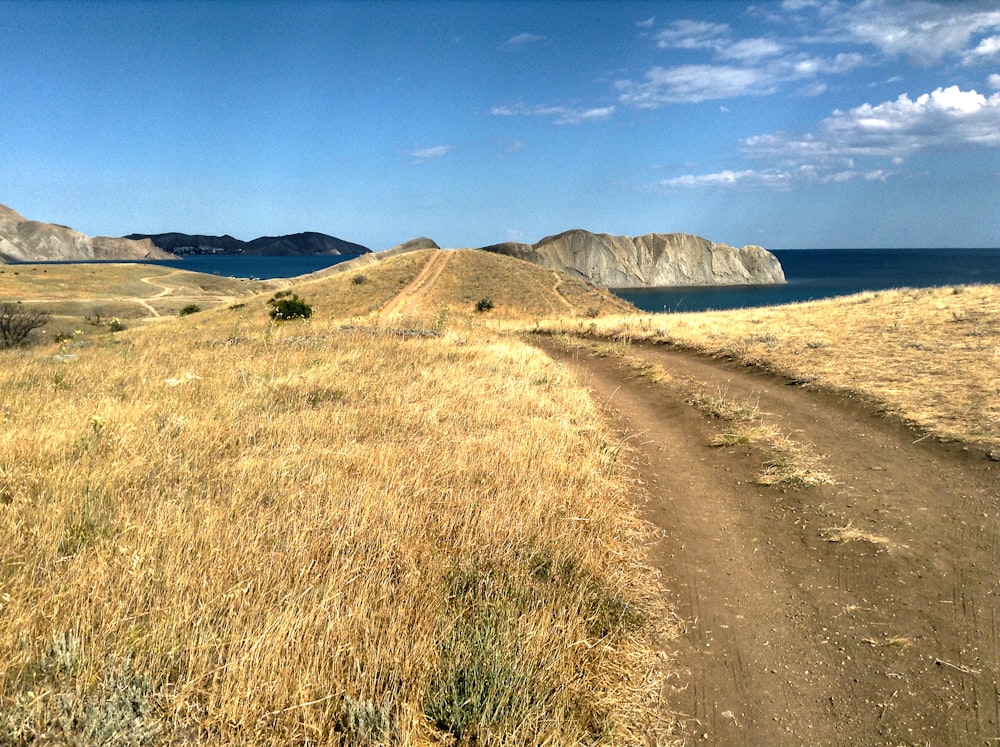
[
  {"x": 23, "y": 240},
  {"x": 655, "y": 259}
]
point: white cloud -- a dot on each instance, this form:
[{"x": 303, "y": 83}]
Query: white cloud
[
  {"x": 750, "y": 51},
  {"x": 648, "y": 23},
  {"x": 688, "y": 34},
  {"x": 882, "y": 135},
  {"x": 419, "y": 155},
  {"x": 748, "y": 177},
  {"x": 696, "y": 83},
  {"x": 924, "y": 32},
  {"x": 692, "y": 84},
  {"x": 520, "y": 40},
  {"x": 945, "y": 118},
  {"x": 988, "y": 49},
  {"x": 559, "y": 114},
  {"x": 994, "y": 81}
]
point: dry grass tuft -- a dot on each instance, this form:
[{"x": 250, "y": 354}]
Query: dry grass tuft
[{"x": 850, "y": 533}]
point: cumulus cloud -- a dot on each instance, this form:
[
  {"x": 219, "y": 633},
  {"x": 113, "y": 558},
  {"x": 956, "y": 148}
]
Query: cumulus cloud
[
  {"x": 869, "y": 142},
  {"x": 994, "y": 81},
  {"x": 946, "y": 118},
  {"x": 419, "y": 155},
  {"x": 559, "y": 114},
  {"x": 988, "y": 50}
]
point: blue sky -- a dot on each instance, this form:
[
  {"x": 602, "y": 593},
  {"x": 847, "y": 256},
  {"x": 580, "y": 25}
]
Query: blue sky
[{"x": 795, "y": 124}]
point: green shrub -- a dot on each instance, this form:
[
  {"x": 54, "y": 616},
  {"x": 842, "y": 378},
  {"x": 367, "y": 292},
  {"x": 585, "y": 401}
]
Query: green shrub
[
  {"x": 484, "y": 304},
  {"x": 191, "y": 308},
  {"x": 286, "y": 305},
  {"x": 359, "y": 280}
]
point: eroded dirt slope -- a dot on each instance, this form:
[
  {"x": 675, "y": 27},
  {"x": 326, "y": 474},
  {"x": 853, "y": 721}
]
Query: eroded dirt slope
[{"x": 795, "y": 633}]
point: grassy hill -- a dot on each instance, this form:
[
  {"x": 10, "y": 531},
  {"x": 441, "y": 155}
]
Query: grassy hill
[{"x": 516, "y": 288}]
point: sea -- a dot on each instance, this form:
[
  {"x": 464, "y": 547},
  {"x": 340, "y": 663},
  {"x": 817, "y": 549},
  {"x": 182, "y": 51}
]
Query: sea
[{"x": 812, "y": 274}]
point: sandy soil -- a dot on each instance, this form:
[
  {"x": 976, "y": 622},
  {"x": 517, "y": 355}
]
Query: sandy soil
[{"x": 792, "y": 638}]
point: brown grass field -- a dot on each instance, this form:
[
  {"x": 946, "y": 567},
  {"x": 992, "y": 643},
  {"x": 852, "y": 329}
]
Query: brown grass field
[{"x": 358, "y": 529}]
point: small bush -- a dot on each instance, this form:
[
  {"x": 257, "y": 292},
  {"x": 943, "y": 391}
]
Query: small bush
[
  {"x": 359, "y": 280},
  {"x": 191, "y": 308},
  {"x": 17, "y": 322},
  {"x": 484, "y": 304},
  {"x": 115, "y": 325},
  {"x": 287, "y": 305}
]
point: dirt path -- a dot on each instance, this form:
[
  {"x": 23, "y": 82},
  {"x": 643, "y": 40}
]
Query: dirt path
[
  {"x": 406, "y": 300},
  {"x": 791, "y": 638},
  {"x": 560, "y": 296}
]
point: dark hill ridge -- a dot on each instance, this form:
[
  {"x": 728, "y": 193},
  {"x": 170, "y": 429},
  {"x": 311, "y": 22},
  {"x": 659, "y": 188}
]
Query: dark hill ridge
[{"x": 297, "y": 244}]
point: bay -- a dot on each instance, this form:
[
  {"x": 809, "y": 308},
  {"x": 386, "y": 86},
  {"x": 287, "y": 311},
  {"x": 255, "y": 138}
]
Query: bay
[
  {"x": 813, "y": 274},
  {"x": 253, "y": 266}
]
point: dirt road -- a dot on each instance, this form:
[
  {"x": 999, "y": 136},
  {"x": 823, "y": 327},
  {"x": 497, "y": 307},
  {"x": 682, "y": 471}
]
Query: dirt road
[
  {"x": 407, "y": 299},
  {"x": 796, "y": 634}
]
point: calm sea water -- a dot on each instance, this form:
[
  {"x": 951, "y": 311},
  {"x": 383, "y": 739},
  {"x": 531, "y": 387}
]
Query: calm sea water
[
  {"x": 812, "y": 274},
  {"x": 824, "y": 273},
  {"x": 262, "y": 268}
]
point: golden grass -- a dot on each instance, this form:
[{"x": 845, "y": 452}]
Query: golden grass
[
  {"x": 932, "y": 356},
  {"x": 517, "y": 289},
  {"x": 221, "y": 530}
]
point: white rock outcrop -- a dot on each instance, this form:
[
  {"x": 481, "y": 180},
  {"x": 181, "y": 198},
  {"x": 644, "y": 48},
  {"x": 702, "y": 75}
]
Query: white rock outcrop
[{"x": 652, "y": 260}]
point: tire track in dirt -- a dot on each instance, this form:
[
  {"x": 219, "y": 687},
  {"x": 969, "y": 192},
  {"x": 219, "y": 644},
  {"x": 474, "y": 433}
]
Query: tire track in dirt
[
  {"x": 791, "y": 638},
  {"x": 406, "y": 300}
]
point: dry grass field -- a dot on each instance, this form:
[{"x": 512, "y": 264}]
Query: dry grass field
[
  {"x": 74, "y": 293},
  {"x": 364, "y": 528},
  {"x": 222, "y": 530},
  {"x": 930, "y": 356}
]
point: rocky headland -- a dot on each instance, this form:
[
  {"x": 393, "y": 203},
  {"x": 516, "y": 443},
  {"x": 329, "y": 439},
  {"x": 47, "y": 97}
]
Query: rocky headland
[
  {"x": 23, "y": 240},
  {"x": 651, "y": 260}
]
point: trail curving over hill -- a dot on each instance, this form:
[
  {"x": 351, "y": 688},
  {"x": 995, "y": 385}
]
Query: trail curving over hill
[
  {"x": 860, "y": 612},
  {"x": 406, "y": 301}
]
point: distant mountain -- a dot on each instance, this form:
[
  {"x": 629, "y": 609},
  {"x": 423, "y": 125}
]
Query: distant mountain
[
  {"x": 299, "y": 244},
  {"x": 655, "y": 259},
  {"x": 23, "y": 240}
]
